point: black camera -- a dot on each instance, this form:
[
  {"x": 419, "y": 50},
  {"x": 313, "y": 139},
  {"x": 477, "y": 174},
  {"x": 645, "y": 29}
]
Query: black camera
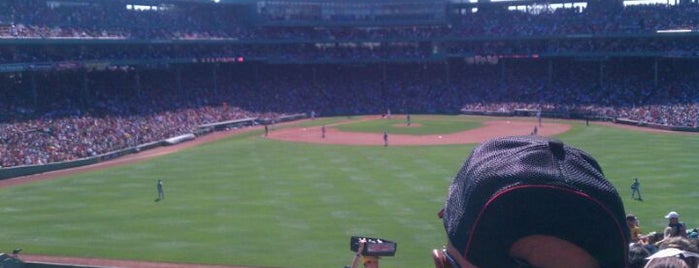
[{"x": 374, "y": 246}]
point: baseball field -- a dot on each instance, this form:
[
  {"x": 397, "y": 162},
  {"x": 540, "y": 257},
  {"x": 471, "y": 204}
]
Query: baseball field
[{"x": 293, "y": 198}]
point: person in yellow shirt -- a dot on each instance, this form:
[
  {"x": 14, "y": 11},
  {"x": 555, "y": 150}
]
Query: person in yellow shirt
[{"x": 634, "y": 228}]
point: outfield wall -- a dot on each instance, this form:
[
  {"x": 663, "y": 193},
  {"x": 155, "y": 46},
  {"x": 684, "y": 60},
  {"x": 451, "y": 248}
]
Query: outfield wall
[
  {"x": 656, "y": 126},
  {"x": 580, "y": 115},
  {"x": 54, "y": 265}
]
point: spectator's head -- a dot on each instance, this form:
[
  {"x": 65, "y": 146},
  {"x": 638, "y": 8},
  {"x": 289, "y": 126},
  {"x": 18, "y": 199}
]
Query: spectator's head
[
  {"x": 673, "y": 217},
  {"x": 667, "y": 262},
  {"x": 631, "y": 220},
  {"x": 678, "y": 248},
  {"x": 534, "y": 200},
  {"x": 679, "y": 242}
]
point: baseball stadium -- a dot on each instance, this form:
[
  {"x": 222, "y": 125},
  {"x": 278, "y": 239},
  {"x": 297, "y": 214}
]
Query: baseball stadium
[{"x": 273, "y": 133}]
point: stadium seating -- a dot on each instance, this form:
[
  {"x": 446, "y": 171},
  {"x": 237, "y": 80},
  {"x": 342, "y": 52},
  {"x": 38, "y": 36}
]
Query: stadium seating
[{"x": 85, "y": 79}]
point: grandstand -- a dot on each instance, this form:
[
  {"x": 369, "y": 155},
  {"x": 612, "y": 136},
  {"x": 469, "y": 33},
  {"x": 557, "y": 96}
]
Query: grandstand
[{"x": 67, "y": 62}]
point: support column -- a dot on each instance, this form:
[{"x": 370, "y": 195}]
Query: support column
[
  {"x": 601, "y": 73},
  {"x": 137, "y": 84},
  {"x": 447, "y": 70},
  {"x": 85, "y": 93},
  {"x": 655, "y": 73},
  {"x": 214, "y": 73},
  {"x": 178, "y": 79},
  {"x": 502, "y": 71},
  {"x": 34, "y": 90},
  {"x": 549, "y": 83}
]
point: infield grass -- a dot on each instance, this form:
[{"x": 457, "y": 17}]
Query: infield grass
[
  {"x": 419, "y": 125},
  {"x": 248, "y": 200}
]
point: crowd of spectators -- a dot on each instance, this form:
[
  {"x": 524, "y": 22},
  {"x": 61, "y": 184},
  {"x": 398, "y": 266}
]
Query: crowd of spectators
[
  {"x": 654, "y": 249},
  {"x": 113, "y": 20},
  {"x": 66, "y": 111},
  {"x": 37, "y": 19},
  {"x": 626, "y": 91},
  {"x": 561, "y": 32},
  {"x": 76, "y": 115},
  {"x": 66, "y": 129}
]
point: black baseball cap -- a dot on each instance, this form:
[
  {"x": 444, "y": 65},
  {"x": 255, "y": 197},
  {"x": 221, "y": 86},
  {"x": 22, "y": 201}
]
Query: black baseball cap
[{"x": 512, "y": 187}]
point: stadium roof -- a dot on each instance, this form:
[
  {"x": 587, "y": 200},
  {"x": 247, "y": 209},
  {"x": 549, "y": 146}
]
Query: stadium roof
[
  {"x": 163, "y": 1},
  {"x": 453, "y": 3}
]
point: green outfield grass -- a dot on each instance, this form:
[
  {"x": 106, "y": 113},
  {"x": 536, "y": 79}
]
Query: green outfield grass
[{"x": 248, "y": 200}]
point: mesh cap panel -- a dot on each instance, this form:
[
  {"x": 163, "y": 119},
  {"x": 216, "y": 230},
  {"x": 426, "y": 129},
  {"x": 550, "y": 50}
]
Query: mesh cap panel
[{"x": 512, "y": 187}]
